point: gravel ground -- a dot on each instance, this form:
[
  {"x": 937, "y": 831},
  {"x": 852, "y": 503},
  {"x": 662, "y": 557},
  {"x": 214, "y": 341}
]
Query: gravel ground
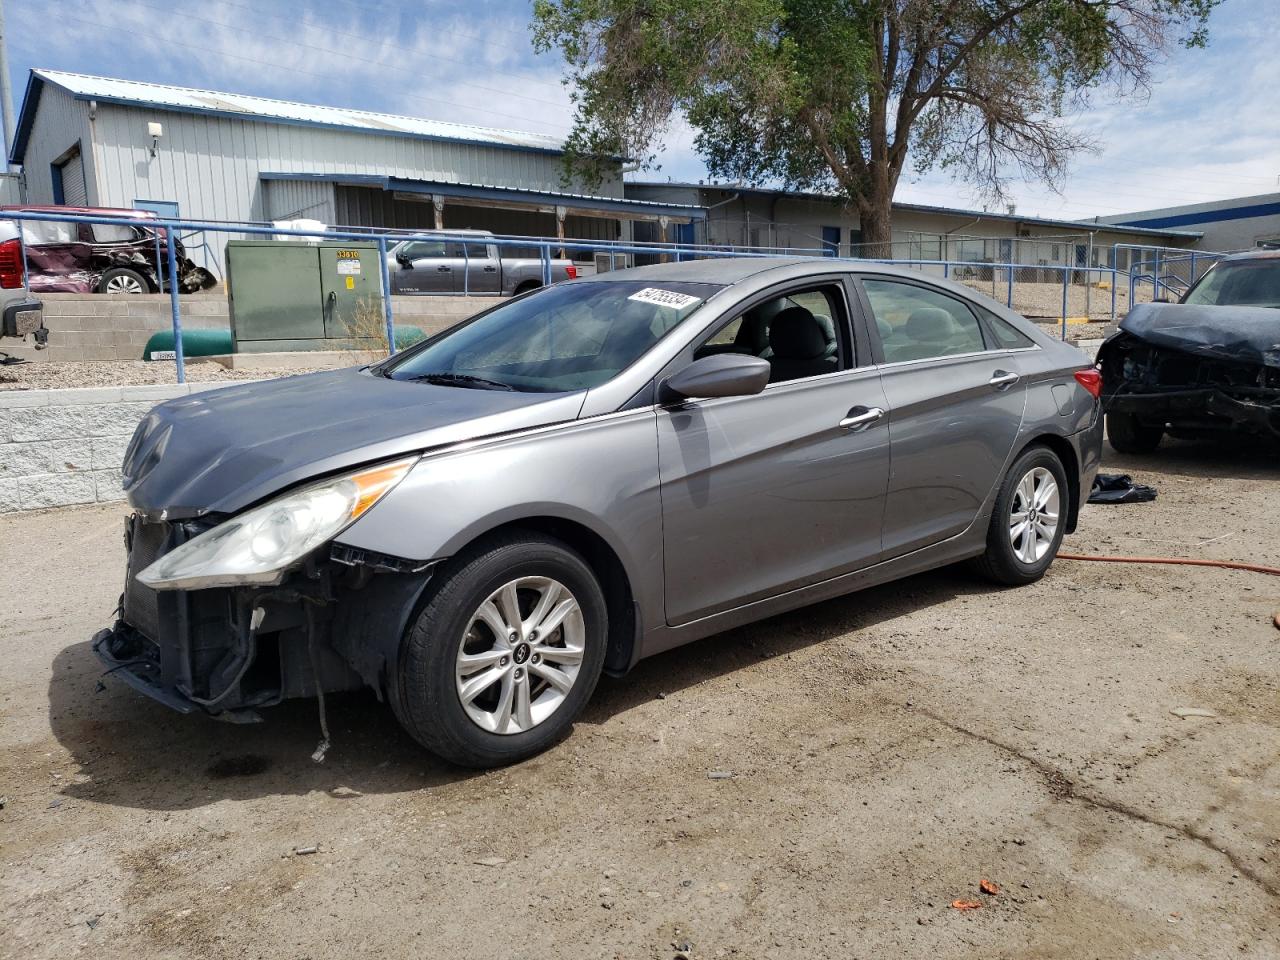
[
  {"x": 120, "y": 373},
  {"x": 1045, "y": 299},
  {"x": 888, "y": 752}
]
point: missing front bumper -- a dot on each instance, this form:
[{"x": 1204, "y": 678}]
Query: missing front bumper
[{"x": 1204, "y": 408}]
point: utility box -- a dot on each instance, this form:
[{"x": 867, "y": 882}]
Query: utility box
[{"x": 303, "y": 296}]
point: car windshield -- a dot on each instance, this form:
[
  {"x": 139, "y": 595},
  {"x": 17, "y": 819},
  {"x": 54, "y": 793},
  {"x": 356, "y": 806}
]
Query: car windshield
[
  {"x": 568, "y": 337},
  {"x": 1239, "y": 283}
]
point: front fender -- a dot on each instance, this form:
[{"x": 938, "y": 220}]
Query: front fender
[{"x": 601, "y": 473}]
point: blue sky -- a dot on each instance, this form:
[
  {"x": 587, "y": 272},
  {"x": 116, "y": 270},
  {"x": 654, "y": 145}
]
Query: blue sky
[{"x": 1207, "y": 131}]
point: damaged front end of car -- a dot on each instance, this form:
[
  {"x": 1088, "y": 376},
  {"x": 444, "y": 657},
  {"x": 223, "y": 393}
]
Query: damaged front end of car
[
  {"x": 1195, "y": 370},
  {"x": 228, "y": 614}
]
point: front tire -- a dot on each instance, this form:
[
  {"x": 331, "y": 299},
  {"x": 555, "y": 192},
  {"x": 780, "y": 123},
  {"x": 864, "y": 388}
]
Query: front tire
[
  {"x": 505, "y": 653},
  {"x": 1028, "y": 520},
  {"x": 1129, "y": 435}
]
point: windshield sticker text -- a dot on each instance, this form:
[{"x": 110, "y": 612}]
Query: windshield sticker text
[{"x": 663, "y": 298}]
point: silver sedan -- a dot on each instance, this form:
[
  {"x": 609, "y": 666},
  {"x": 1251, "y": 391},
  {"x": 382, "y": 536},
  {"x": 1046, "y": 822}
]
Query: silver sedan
[{"x": 585, "y": 476}]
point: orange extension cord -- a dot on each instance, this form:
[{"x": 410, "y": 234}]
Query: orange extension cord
[{"x": 1228, "y": 564}]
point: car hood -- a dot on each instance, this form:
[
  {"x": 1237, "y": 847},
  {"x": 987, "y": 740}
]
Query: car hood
[
  {"x": 1237, "y": 334},
  {"x": 221, "y": 450}
]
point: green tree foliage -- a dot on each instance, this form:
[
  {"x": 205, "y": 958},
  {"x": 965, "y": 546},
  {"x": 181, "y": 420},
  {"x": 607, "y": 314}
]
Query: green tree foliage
[{"x": 837, "y": 94}]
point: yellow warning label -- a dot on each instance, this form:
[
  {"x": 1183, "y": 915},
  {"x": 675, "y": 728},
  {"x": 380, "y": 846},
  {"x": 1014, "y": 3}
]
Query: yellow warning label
[{"x": 351, "y": 283}]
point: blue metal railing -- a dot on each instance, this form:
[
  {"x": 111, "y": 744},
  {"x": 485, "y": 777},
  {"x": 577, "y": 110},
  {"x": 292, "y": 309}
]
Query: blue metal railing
[{"x": 1066, "y": 273}]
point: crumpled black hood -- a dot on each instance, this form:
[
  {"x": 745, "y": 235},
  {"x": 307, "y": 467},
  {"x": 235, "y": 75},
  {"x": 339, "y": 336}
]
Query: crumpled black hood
[
  {"x": 222, "y": 450},
  {"x": 1238, "y": 334}
]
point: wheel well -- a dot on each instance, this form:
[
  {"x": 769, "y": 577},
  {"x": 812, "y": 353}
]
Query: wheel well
[
  {"x": 604, "y": 562},
  {"x": 1067, "y": 454},
  {"x": 524, "y": 287}
]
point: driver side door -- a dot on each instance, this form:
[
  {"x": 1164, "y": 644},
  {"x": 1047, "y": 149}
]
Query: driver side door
[
  {"x": 767, "y": 493},
  {"x": 422, "y": 266}
]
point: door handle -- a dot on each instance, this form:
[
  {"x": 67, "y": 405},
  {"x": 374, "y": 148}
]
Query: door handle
[
  {"x": 444, "y": 269},
  {"x": 1002, "y": 378},
  {"x": 856, "y": 421},
  {"x": 490, "y": 269}
]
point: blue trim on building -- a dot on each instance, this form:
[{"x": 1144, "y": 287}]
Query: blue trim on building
[
  {"x": 55, "y": 180},
  {"x": 499, "y": 194},
  {"x": 1208, "y": 216},
  {"x": 26, "y": 117}
]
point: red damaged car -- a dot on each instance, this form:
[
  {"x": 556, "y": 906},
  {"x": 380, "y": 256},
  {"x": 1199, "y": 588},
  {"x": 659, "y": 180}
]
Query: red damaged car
[{"x": 69, "y": 257}]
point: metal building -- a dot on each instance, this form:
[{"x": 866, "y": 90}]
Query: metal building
[
  {"x": 754, "y": 217},
  {"x": 1244, "y": 223},
  {"x": 202, "y": 154}
]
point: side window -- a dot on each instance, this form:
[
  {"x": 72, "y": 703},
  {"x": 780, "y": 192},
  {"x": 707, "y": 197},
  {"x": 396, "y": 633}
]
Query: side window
[
  {"x": 113, "y": 233},
  {"x": 475, "y": 251},
  {"x": 917, "y": 323},
  {"x": 799, "y": 334},
  {"x": 425, "y": 249},
  {"x": 1005, "y": 334},
  {"x": 37, "y": 232}
]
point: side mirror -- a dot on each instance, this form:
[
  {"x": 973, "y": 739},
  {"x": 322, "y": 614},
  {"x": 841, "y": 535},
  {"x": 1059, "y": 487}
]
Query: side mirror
[
  {"x": 404, "y": 261},
  {"x": 719, "y": 375}
]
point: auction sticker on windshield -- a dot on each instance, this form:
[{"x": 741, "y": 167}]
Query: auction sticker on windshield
[{"x": 664, "y": 298}]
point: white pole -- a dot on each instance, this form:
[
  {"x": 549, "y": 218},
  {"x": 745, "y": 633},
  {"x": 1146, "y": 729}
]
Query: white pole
[{"x": 6, "y": 92}]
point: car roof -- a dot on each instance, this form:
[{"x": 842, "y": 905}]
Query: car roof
[
  {"x": 60, "y": 208},
  {"x": 735, "y": 269},
  {"x": 1252, "y": 255},
  {"x": 721, "y": 270}
]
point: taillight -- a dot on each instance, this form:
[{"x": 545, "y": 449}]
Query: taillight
[
  {"x": 571, "y": 272},
  {"x": 1091, "y": 380},
  {"x": 11, "y": 264}
]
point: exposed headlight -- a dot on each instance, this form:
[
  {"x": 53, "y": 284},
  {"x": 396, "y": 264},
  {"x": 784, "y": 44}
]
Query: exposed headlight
[{"x": 258, "y": 546}]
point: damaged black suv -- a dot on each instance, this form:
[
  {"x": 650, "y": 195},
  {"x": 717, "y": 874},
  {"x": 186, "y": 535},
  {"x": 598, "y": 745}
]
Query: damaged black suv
[{"x": 1208, "y": 364}]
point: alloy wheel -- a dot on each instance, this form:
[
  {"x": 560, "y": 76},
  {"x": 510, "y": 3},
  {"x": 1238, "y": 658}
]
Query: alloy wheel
[
  {"x": 123, "y": 284},
  {"x": 1033, "y": 517},
  {"x": 520, "y": 655}
]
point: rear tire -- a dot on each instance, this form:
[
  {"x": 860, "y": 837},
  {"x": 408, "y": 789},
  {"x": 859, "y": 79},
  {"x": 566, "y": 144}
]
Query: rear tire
[
  {"x": 123, "y": 280},
  {"x": 1128, "y": 435},
  {"x": 480, "y": 684},
  {"x": 1028, "y": 520}
]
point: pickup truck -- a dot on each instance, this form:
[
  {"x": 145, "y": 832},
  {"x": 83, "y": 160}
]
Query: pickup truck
[
  {"x": 440, "y": 266},
  {"x": 20, "y": 315}
]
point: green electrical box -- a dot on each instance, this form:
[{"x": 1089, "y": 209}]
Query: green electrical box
[{"x": 286, "y": 295}]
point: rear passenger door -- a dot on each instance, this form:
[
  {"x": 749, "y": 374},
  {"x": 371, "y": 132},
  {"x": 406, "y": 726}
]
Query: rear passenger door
[
  {"x": 956, "y": 400},
  {"x": 479, "y": 271}
]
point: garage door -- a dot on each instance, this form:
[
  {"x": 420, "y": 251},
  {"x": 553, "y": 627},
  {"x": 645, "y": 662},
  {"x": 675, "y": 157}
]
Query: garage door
[{"x": 73, "y": 190}]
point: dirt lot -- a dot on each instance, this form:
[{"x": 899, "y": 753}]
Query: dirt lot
[{"x": 888, "y": 751}]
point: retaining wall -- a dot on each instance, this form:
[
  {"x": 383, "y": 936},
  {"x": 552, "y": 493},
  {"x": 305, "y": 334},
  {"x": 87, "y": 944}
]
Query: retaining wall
[
  {"x": 61, "y": 447},
  {"x": 86, "y": 326}
]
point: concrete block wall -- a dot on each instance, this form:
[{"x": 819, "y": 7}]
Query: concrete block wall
[
  {"x": 63, "y": 447},
  {"x": 86, "y": 326}
]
